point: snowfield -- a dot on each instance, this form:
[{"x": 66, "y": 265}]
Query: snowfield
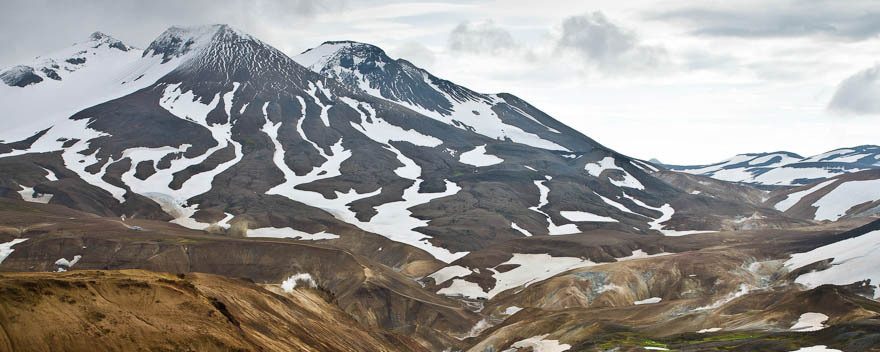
[
  {"x": 846, "y": 195},
  {"x": 855, "y": 259},
  {"x": 531, "y": 268},
  {"x": 810, "y": 322}
]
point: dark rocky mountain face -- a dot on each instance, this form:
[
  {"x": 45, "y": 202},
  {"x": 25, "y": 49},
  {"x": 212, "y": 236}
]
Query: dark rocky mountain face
[
  {"x": 237, "y": 137},
  {"x": 20, "y": 76}
]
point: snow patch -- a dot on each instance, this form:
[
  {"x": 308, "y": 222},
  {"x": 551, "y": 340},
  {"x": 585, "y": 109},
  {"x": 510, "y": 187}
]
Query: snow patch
[
  {"x": 855, "y": 259},
  {"x": 287, "y": 232},
  {"x": 817, "y": 348},
  {"x": 6, "y": 248},
  {"x": 28, "y": 194},
  {"x": 617, "y": 205},
  {"x": 449, "y": 272},
  {"x": 512, "y": 310},
  {"x": 552, "y": 228},
  {"x": 478, "y": 157},
  {"x": 539, "y": 344},
  {"x": 651, "y": 300},
  {"x": 810, "y": 322},
  {"x": 50, "y": 175},
  {"x": 520, "y": 229},
  {"x": 640, "y": 254},
  {"x": 70, "y": 263},
  {"x": 596, "y": 168},
  {"x": 582, "y": 216},
  {"x": 666, "y": 211}
]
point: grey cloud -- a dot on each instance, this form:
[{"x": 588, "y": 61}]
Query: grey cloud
[
  {"x": 858, "y": 94},
  {"x": 610, "y": 47},
  {"x": 854, "y": 21},
  {"x": 484, "y": 37}
]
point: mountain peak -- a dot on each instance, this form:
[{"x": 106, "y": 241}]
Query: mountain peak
[
  {"x": 100, "y": 38},
  {"x": 221, "y": 52},
  {"x": 329, "y": 52},
  {"x": 178, "y": 41}
]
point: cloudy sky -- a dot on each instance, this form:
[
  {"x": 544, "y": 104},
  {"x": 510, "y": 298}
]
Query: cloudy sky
[{"x": 684, "y": 81}]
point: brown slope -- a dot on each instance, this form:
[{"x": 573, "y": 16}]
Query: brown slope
[
  {"x": 372, "y": 293},
  {"x": 141, "y": 310}
]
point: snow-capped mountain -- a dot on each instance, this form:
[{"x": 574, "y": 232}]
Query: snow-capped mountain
[
  {"x": 499, "y": 116},
  {"x": 788, "y": 169},
  {"x": 213, "y": 129}
]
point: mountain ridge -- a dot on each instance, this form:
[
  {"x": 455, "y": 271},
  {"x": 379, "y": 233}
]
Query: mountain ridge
[{"x": 769, "y": 169}]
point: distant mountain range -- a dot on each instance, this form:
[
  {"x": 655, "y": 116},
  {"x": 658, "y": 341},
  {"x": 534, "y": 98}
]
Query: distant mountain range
[{"x": 788, "y": 169}]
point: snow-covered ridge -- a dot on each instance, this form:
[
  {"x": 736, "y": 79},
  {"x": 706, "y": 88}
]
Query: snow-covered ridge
[
  {"x": 75, "y": 78},
  {"x": 178, "y": 41},
  {"x": 786, "y": 169},
  {"x": 369, "y": 69},
  {"x": 59, "y": 64}
]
